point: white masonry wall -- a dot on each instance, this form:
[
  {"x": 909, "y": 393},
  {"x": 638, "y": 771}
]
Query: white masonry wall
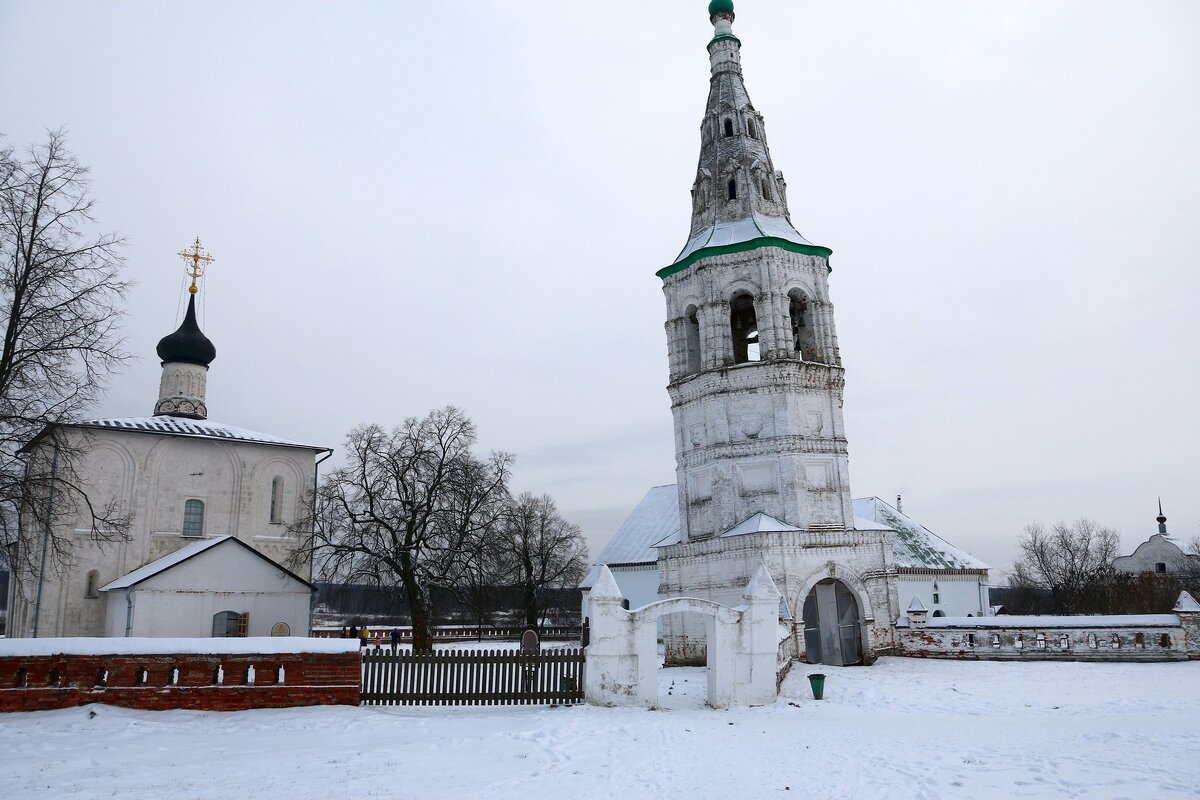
[
  {"x": 152, "y": 476},
  {"x": 958, "y": 595}
]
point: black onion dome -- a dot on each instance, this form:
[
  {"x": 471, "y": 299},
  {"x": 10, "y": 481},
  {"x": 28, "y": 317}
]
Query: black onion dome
[{"x": 188, "y": 344}]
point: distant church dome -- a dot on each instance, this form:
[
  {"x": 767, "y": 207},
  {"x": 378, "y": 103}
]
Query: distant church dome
[{"x": 188, "y": 345}]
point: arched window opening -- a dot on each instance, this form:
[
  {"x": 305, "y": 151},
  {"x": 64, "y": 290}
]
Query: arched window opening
[
  {"x": 731, "y": 189},
  {"x": 193, "y": 518},
  {"x": 804, "y": 335},
  {"x": 277, "y": 499},
  {"x": 939, "y": 613},
  {"x": 230, "y": 624},
  {"x": 92, "y": 591},
  {"x": 728, "y": 126},
  {"x": 743, "y": 324},
  {"x": 691, "y": 340},
  {"x": 750, "y": 129}
]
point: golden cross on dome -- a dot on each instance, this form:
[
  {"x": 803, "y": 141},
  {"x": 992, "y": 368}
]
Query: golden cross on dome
[{"x": 200, "y": 260}]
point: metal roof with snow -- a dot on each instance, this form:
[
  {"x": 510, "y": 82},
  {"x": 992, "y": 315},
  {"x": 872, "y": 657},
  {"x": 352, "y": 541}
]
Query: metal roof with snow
[
  {"x": 914, "y": 546},
  {"x": 181, "y": 555},
  {"x": 652, "y": 520},
  {"x": 182, "y": 426}
]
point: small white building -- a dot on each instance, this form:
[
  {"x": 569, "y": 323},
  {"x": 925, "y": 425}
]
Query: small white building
[
  {"x": 949, "y": 582},
  {"x": 215, "y": 587},
  {"x": 1158, "y": 554}
]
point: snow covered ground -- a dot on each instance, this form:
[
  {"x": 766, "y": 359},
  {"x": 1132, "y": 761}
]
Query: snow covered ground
[{"x": 903, "y": 728}]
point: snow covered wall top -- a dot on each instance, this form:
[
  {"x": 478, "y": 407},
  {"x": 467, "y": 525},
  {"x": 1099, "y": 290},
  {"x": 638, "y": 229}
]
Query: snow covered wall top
[{"x": 133, "y": 645}]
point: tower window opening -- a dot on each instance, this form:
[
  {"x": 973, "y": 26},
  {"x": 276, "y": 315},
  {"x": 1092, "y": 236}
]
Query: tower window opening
[
  {"x": 1160, "y": 567},
  {"x": 804, "y": 336},
  {"x": 92, "y": 590},
  {"x": 731, "y": 188},
  {"x": 691, "y": 340},
  {"x": 750, "y": 129},
  {"x": 277, "y": 499},
  {"x": 766, "y": 189},
  {"x": 728, "y": 127},
  {"x": 193, "y": 518},
  {"x": 743, "y": 324}
]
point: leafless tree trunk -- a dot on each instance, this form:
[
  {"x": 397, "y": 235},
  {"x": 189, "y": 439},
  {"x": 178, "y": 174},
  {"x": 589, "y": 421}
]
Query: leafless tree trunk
[
  {"x": 61, "y": 297},
  {"x": 1074, "y": 561},
  {"x": 541, "y": 551},
  {"x": 408, "y": 510}
]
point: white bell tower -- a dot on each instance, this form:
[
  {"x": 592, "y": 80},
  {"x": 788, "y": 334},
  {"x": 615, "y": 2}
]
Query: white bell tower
[{"x": 755, "y": 375}]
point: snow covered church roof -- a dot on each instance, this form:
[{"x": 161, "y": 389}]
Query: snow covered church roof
[
  {"x": 738, "y": 234},
  {"x": 654, "y": 519},
  {"x": 914, "y": 546},
  {"x": 654, "y": 523},
  {"x": 183, "y": 554},
  {"x": 183, "y": 426}
]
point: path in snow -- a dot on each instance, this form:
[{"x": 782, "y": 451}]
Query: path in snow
[{"x": 903, "y": 728}]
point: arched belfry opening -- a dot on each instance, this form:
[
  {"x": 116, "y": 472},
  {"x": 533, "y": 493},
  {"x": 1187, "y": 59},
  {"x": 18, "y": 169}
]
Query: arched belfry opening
[
  {"x": 804, "y": 338},
  {"x": 728, "y": 129},
  {"x": 691, "y": 339},
  {"x": 743, "y": 325},
  {"x": 832, "y": 627}
]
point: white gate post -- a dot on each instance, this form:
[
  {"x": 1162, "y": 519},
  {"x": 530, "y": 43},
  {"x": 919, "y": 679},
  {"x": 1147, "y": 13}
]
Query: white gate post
[
  {"x": 611, "y": 675},
  {"x": 759, "y": 634}
]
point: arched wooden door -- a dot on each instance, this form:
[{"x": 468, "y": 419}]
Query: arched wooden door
[{"x": 832, "y": 634}]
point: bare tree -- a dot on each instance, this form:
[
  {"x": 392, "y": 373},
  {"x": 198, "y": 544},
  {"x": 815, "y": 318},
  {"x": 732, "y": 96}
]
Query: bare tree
[
  {"x": 408, "y": 510},
  {"x": 61, "y": 305},
  {"x": 1073, "y": 561},
  {"x": 540, "y": 551}
]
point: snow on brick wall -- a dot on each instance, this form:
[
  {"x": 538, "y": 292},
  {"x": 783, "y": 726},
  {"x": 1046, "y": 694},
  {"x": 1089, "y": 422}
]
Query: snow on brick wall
[
  {"x": 214, "y": 682},
  {"x": 1157, "y": 638}
]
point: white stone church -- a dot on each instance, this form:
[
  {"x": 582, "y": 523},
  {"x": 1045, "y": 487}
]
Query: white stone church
[
  {"x": 210, "y": 506},
  {"x": 756, "y": 384}
]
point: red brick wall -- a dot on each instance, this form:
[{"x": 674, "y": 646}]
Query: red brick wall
[{"x": 309, "y": 679}]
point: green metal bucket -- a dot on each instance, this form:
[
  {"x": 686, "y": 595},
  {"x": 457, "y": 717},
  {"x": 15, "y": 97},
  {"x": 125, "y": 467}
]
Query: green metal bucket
[{"x": 817, "y": 681}]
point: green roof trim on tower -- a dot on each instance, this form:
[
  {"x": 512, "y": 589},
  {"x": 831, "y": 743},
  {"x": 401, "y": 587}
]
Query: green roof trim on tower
[{"x": 742, "y": 247}]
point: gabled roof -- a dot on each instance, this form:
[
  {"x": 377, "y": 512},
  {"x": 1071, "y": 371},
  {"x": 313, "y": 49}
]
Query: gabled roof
[
  {"x": 654, "y": 519},
  {"x": 758, "y": 523},
  {"x": 914, "y": 545},
  {"x": 181, "y": 426},
  {"x": 160, "y": 565}
]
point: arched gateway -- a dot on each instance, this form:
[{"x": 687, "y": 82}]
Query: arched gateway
[{"x": 622, "y": 654}]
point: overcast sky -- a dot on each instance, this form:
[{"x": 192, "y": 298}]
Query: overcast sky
[{"x": 415, "y": 204}]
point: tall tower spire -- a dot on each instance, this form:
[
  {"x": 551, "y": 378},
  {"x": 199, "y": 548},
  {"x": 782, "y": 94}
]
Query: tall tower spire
[
  {"x": 1160, "y": 519},
  {"x": 186, "y": 353},
  {"x": 739, "y": 199},
  {"x": 755, "y": 374}
]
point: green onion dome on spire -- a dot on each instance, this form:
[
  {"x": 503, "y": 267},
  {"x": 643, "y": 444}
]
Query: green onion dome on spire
[{"x": 720, "y": 7}]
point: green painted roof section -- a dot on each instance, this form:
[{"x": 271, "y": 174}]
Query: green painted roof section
[
  {"x": 717, "y": 6},
  {"x": 741, "y": 247}
]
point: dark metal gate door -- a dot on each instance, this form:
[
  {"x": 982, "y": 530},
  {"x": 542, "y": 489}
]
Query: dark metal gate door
[{"x": 832, "y": 634}]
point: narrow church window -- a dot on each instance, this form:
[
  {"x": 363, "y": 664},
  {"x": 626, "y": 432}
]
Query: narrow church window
[
  {"x": 750, "y": 129},
  {"x": 743, "y": 325},
  {"x": 691, "y": 340},
  {"x": 276, "y": 499},
  {"x": 804, "y": 336},
  {"x": 93, "y": 585},
  {"x": 728, "y": 127},
  {"x": 766, "y": 192},
  {"x": 193, "y": 518},
  {"x": 731, "y": 188}
]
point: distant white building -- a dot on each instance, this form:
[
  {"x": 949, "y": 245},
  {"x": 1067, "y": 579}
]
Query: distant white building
[
  {"x": 1158, "y": 554},
  {"x": 189, "y": 484},
  {"x": 948, "y": 581}
]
